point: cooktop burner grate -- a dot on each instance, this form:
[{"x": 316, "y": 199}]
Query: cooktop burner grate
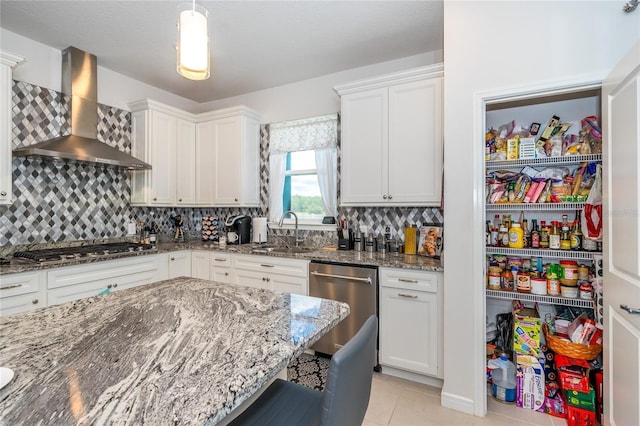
[{"x": 67, "y": 253}]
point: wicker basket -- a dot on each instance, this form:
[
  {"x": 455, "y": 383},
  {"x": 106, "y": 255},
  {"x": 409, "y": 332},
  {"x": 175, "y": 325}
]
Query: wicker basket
[{"x": 570, "y": 349}]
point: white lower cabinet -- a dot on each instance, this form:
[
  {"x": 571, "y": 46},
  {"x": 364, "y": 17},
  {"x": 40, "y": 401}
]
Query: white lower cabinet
[
  {"x": 179, "y": 263},
  {"x": 22, "y": 292},
  {"x": 410, "y": 320},
  {"x": 220, "y": 267},
  {"x": 200, "y": 264},
  {"x": 272, "y": 273},
  {"x": 77, "y": 282}
]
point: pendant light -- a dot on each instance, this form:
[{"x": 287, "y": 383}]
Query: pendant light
[{"x": 193, "y": 42}]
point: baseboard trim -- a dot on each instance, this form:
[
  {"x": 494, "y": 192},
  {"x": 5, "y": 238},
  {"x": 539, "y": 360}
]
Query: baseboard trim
[
  {"x": 414, "y": 377},
  {"x": 456, "y": 402}
]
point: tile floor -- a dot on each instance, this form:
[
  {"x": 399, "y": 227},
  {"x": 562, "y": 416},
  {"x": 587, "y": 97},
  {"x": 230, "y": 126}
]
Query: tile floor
[{"x": 401, "y": 402}]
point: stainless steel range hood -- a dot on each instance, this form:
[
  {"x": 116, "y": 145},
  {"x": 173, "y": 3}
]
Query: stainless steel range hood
[{"x": 80, "y": 82}]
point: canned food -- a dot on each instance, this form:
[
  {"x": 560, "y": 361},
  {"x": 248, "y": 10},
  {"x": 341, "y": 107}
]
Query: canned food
[
  {"x": 553, "y": 287},
  {"x": 539, "y": 286},
  {"x": 586, "y": 291},
  {"x": 524, "y": 283},
  {"x": 583, "y": 273}
]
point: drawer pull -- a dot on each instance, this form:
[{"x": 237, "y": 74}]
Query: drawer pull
[
  {"x": 226, "y": 274},
  {"x": 409, "y": 296},
  {"x": 266, "y": 265},
  {"x": 173, "y": 258},
  {"x": 35, "y": 301},
  {"x": 3, "y": 193},
  {"x": 115, "y": 285},
  {"x": 405, "y": 280},
  {"x": 217, "y": 259},
  {"x": 10, "y": 287},
  {"x": 630, "y": 310}
]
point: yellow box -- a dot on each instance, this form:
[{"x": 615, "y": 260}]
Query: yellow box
[
  {"x": 512, "y": 149},
  {"x": 527, "y": 329}
]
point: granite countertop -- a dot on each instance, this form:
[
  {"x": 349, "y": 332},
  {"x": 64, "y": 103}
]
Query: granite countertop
[
  {"x": 348, "y": 257},
  {"x": 181, "y": 351}
]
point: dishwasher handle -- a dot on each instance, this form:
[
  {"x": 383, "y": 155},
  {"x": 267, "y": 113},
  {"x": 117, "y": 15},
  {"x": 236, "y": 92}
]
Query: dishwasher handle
[{"x": 344, "y": 277}]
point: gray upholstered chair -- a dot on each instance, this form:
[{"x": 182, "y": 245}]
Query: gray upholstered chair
[{"x": 344, "y": 401}]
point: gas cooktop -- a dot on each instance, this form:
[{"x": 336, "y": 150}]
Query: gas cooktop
[{"x": 80, "y": 252}]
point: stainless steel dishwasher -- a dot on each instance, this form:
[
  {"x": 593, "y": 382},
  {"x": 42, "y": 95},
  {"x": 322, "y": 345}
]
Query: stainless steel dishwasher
[{"x": 355, "y": 285}]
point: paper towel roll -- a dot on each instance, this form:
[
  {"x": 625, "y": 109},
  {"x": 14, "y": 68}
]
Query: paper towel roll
[{"x": 259, "y": 229}]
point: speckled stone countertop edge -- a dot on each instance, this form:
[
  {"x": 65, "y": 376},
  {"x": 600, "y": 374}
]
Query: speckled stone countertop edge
[{"x": 412, "y": 262}]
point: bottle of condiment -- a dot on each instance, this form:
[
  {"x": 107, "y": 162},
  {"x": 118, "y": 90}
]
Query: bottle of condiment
[
  {"x": 576, "y": 235},
  {"x": 487, "y": 234},
  {"x": 544, "y": 235},
  {"x": 554, "y": 236},
  {"x": 535, "y": 234},
  {"x": 141, "y": 236},
  {"x": 565, "y": 238},
  {"x": 527, "y": 234},
  {"x": 153, "y": 233},
  {"x": 493, "y": 237},
  {"x": 506, "y": 280},
  {"x": 516, "y": 236},
  {"x": 503, "y": 237},
  {"x": 506, "y": 220}
]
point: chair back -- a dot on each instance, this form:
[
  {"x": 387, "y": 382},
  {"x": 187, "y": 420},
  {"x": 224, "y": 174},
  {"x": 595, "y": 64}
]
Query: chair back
[{"x": 346, "y": 396}]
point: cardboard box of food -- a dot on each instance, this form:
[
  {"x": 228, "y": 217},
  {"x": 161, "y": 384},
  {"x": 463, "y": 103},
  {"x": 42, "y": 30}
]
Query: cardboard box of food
[
  {"x": 579, "y": 417},
  {"x": 530, "y": 388},
  {"x": 526, "y": 330},
  {"x": 584, "y": 400}
]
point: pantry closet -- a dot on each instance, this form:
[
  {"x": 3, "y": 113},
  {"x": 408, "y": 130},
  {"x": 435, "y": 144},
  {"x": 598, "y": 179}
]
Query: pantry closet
[{"x": 521, "y": 113}]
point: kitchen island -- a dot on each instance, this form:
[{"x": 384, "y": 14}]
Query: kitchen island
[{"x": 180, "y": 351}]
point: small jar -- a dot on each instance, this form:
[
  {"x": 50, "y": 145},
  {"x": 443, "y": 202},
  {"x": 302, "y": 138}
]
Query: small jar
[
  {"x": 586, "y": 291},
  {"x": 583, "y": 273},
  {"x": 569, "y": 272},
  {"x": 553, "y": 287},
  {"x": 539, "y": 286},
  {"x": 494, "y": 282},
  {"x": 524, "y": 283},
  {"x": 568, "y": 291}
]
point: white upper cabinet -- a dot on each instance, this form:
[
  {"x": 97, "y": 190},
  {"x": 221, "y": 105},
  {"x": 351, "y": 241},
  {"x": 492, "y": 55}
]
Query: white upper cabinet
[
  {"x": 209, "y": 159},
  {"x": 392, "y": 139},
  {"x": 7, "y": 62},
  {"x": 236, "y": 157}
]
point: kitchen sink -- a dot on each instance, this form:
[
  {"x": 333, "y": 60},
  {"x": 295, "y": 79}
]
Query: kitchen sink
[{"x": 282, "y": 249}]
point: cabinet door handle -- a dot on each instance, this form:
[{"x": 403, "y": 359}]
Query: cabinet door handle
[
  {"x": 409, "y": 296},
  {"x": 35, "y": 301},
  {"x": 179, "y": 200},
  {"x": 390, "y": 197},
  {"x": 155, "y": 199},
  {"x": 3, "y": 193},
  {"x": 109, "y": 286},
  {"x": 217, "y": 259},
  {"x": 115, "y": 285},
  {"x": 268, "y": 279},
  {"x": 226, "y": 274},
  {"x": 8, "y": 287},
  {"x": 384, "y": 197},
  {"x": 235, "y": 199},
  {"x": 632, "y": 311},
  {"x": 266, "y": 265},
  {"x": 173, "y": 258},
  {"x": 405, "y": 280}
]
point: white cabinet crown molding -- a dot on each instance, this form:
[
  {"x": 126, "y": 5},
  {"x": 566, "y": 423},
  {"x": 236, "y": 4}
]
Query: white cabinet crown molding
[
  {"x": 145, "y": 104},
  {"x": 228, "y": 112},
  {"x": 406, "y": 76},
  {"x": 9, "y": 58}
]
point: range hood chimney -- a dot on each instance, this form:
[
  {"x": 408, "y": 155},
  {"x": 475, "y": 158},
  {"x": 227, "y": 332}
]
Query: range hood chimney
[{"x": 80, "y": 82}]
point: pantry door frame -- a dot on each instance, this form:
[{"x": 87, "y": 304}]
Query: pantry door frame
[{"x": 481, "y": 100}]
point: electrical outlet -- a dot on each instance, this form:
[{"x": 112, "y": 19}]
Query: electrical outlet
[{"x": 131, "y": 230}]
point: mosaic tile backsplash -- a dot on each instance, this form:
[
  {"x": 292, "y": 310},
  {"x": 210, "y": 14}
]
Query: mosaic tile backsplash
[{"x": 66, "y": 201}]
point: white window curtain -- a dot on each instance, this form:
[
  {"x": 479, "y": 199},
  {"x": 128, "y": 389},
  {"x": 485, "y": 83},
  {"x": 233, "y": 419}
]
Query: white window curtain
[
  {"x": 316, "y": 133},
  {"x": 277, "y": 169},
  {"x": 327, "y": 166}
]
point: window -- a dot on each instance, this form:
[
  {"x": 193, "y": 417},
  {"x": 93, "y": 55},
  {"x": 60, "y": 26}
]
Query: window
[
  {"x": 303, "y": 168},
  {"x": 301, "y": 191}
]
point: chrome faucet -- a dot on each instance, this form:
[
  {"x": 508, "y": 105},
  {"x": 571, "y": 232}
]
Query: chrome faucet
[{"x": 298, "y": 240}]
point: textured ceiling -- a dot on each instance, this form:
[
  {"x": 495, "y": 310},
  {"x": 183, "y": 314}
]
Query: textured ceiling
[{"x": 255, "y": 44}]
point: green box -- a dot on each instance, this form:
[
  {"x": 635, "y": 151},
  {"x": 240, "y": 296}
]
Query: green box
[
  {"x": 526, "y": 331},
  {"x": 584, "y": 400}
]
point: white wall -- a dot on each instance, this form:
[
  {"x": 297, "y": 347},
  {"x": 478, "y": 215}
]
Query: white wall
[
  {"x": 490, "y": 46},
  {"x": 315, "y": 96},
  {"x": 42, "y": 67},
  {"x": 307, "y": 98}
]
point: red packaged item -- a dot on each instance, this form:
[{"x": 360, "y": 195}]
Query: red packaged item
[
  {"x": 573, "y": 373},
  {"x": 554, "y": 403},
  {"x": 580, "y": 417}
]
